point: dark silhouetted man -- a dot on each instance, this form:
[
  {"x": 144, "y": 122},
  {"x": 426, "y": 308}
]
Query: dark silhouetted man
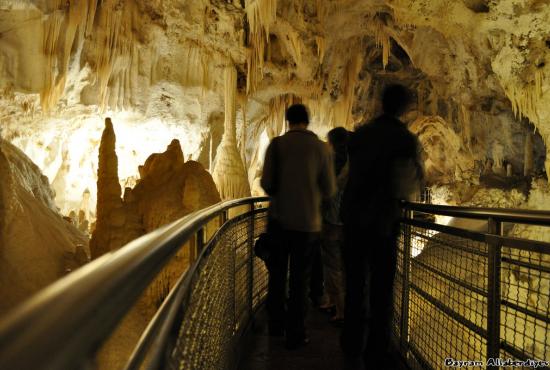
[
  {"x": 384, "y": 168},
  {"x": 297, "y": 174}
]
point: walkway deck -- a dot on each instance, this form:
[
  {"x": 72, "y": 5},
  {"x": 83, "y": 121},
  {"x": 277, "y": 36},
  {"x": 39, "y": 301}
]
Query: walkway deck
[{"x": 323, "y": 352}]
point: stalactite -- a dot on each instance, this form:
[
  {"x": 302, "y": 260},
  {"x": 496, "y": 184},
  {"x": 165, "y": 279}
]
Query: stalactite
[
  {"x": 295, "y": 46},
  {"x": 466, "y": 125},
  {"x": 210, "y": 154},
  {"x": 243, "y": 133},
  {"x": 323, "y": 10},
  {"x": 261, "y": 14},
  {"x": 60, "y": 33},
  {"x": 382, "y": 40},
  {"x": 229, "y": 172},
  {"x": 339, "y": 113},
  {"x": 195, "y": 67},
  {"x": 528, "y": 162},
  {"x": 275, "y": 122},
  {"x": 343, "y": 114},
  {"x": 52, "y": 26},
  {"x": 525, "y": 99},
  {"x": 321, "y": 48},
  {"x": 110, "y": 44}
]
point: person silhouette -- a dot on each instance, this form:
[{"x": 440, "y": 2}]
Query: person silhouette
[
  {"x": 297, "y": 174},
  {"x": 385, "y": 166}
]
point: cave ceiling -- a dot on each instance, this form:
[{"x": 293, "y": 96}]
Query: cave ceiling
[{"x": 64, "y": 65}]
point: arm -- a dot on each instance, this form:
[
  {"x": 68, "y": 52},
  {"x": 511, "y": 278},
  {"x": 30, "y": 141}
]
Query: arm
[
  {"x": 268, "y": 174},
  {"x": 327, "y": 180}
]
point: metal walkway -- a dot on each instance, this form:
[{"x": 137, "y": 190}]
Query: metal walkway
[
  {"x": 322, "y": 353},
  {"x": 459, "y": 296}
]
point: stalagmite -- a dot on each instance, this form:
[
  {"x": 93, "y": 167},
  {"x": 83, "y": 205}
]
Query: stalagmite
[
  {"x": 528, "y": 155},
  {"x": 109, "y": 200},
  {"x": 229, "y": 172}
]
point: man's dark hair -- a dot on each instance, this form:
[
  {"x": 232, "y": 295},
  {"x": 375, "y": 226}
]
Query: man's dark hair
[
  {"x": 338, "y": 137},
  {"x": 297, "y": 114},
  {"x": 395, "y": 100}
]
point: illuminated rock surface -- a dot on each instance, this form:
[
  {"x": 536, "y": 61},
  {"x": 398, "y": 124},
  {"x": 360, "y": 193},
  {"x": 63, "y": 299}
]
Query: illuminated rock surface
[
  {"x": 480, "y": 66},
  {"x": 37, "y": 246},
  {"x": 168, "y": 189}
]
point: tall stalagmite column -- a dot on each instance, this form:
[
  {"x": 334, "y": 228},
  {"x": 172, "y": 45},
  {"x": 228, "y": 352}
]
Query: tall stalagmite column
[
  {"x": 229, "y": 172},
  {"x": 528, "y": 156},
  {"x": 109, "y": 200}
]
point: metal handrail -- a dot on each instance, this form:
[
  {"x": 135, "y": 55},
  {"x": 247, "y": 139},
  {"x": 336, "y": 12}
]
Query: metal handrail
[
  {"x": 64, "y": 325},
  {"x": 155, "y": 336},
  {"x": 499, "y": 214}
]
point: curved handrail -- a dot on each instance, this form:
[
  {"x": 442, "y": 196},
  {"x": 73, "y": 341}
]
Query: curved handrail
[
  {"x": 501, "y": 214},
  {"x": 78, "y": 312},
  {"x": 57, "y": 330},
  {"x": 155, "y": 336}
]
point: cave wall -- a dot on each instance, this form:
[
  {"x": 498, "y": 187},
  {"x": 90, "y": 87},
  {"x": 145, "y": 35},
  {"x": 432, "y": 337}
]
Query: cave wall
[
  {"x": 159, "y": 67},
  {"x": 37, "y": 246}
]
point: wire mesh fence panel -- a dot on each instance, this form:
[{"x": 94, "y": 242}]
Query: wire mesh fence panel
[
  {"x": 259, "y": 291},
  {"x": 230, "y": 282},
  {"x": 447, "y": 305},
  {"x": 525, "y": 312},
  {"x": 398, "y": 287},
  {"x": 446, "y": 278}
]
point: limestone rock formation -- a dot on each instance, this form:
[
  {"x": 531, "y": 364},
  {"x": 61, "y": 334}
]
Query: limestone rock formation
[
  {"x": 37, "y": 246},
  {"x": 168, "y": 189},
  {"x": 446, "y": 160},
  {"x": 229, "y": 172},
  {"x": 480, "y": 66},
  {"x": 110, "y": 215}
]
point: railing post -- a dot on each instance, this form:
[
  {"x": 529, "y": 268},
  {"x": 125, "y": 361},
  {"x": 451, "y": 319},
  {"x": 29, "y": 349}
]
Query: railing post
[
  {"x": 407, "y": 246},
  {"x": 251, "y": 227},
  {"x": 199, "y": 244},
  {"x": 493, "y": 292},
  {"x": 223, "y": 217},
  {"x": 196, "y": 245}
]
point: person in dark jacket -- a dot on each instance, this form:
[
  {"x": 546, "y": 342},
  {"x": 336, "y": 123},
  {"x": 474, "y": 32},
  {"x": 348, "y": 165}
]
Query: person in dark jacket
[
  {"x": 333, "y": 234},
  {"x": 297, "y": 174},
  {"x": 385, "y": 167}
]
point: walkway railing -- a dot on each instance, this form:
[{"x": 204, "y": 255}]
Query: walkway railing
[
  {"x": 460, "y": 295},
  {"x": 477, "y": 297},
  {"x": 197, "y": 324}
]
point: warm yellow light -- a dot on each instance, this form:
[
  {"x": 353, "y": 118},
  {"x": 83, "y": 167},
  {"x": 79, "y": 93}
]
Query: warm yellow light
[{"x": 67, "y": 152}]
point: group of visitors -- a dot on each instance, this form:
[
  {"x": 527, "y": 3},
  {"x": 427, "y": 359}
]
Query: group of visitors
[{"x": 334, "y": 218}]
